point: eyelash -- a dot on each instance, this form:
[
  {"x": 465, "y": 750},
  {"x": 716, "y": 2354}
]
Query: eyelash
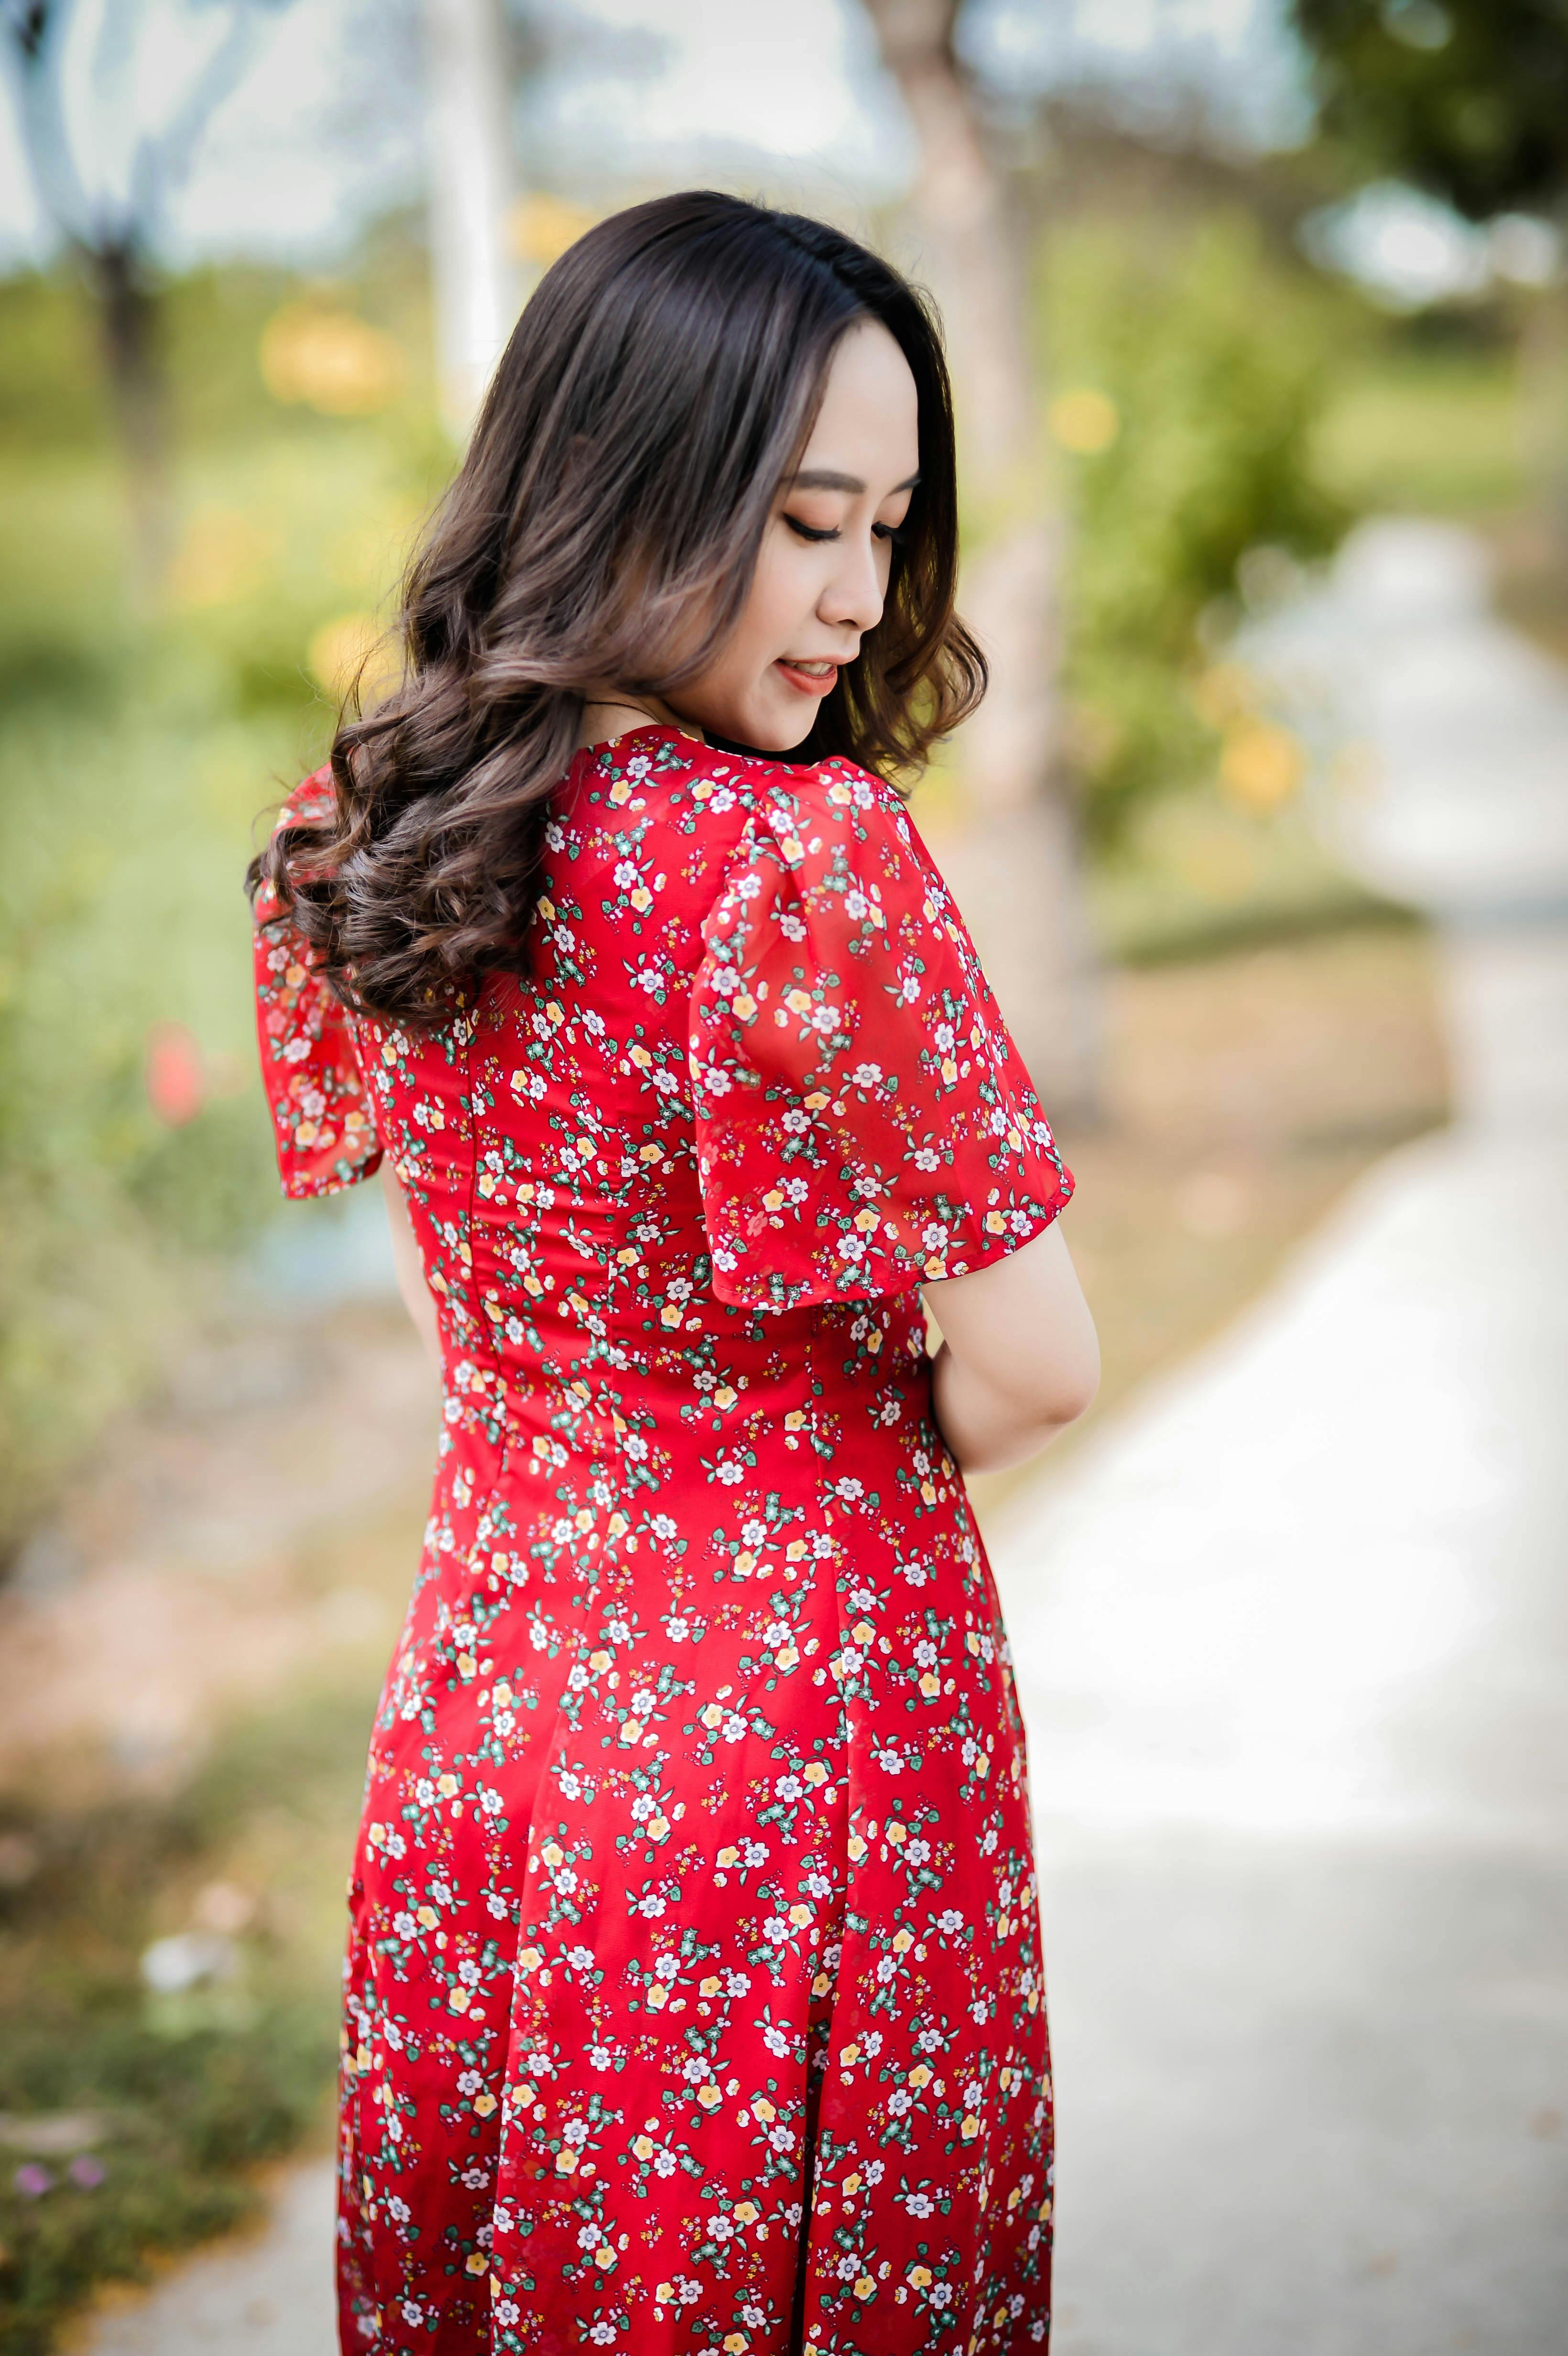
[{"x": 896, "y": 533}]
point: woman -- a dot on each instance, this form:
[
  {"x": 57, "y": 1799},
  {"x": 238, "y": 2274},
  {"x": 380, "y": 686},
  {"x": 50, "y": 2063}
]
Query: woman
[{"x": 694, "y": 1987}]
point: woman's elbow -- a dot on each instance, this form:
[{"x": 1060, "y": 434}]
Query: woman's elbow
[
  {"x": 1056, "y": 1395},
  {"x": 1073, "y": 1394}
]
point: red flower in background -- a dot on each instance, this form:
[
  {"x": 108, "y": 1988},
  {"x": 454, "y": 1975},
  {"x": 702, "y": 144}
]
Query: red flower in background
[{"x": 177, "y": 1081}]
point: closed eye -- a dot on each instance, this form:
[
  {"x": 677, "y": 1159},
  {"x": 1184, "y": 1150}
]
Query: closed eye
[{"x": 895, "y": 533}]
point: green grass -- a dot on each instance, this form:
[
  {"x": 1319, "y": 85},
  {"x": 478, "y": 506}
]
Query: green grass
[
  {"x": 1424, "y": 432},
  {"x": 190, "y": 2091},
  {"x": 136, "y": 759}
]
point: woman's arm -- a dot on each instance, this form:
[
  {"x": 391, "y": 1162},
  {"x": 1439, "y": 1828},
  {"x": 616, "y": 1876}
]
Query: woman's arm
[
  {"x": 418, "y": 1299},
  {"x": 1018, "y": 1360}
]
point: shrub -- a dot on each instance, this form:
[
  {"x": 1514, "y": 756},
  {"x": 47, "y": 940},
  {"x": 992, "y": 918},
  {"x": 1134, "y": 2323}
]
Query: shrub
[{"x": 1190, "y": 369}]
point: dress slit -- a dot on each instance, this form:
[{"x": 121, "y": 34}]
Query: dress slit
[{"x": 807, "y": 2188}]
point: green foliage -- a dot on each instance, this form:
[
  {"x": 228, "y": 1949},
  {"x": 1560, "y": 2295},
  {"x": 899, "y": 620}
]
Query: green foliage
[
  {"x": 192, "y": 2115},
  {"x": 1467, "y": 98},
  {"x": 133, "y": 762},
  {"x": 121, "y": 908},
  {"x": 188, "y": 2093},
  {"x": 1208, "y": 361},
  {"x": 51, "y": 386},
  {"x": 1425, "y": 431}
]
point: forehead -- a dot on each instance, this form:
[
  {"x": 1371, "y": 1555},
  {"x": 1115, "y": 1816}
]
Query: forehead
[{"x": 868, "y": 424}]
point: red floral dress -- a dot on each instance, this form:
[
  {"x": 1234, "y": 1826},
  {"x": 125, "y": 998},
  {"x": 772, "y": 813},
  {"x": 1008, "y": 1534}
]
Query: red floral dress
[{"x": 693, "y": 1989}]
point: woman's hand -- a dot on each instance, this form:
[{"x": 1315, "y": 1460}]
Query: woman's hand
[{"x": 1019, "y": 1359}]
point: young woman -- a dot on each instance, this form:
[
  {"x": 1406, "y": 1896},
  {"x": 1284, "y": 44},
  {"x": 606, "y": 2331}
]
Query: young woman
[{"x": 693, "y": 1992}]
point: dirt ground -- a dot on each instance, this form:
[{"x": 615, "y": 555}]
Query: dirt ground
[
  {"x": 1530, "y": 551},
  {"x": 1244, "y": 1093},
  {"x": 258, "y": 1524}
]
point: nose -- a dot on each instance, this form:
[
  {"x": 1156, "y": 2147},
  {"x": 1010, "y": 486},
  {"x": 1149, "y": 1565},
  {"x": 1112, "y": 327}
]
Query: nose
[{"x": 854, "y": 597}]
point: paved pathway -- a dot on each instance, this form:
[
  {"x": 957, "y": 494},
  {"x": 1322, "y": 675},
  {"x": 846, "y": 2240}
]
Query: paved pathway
[
  {"x": 1294, "y": 1647},
  {"x": 267, "y": 2293},
  {"x": 1295, "y": 1656},
  {"x": 1293, "y": 1639}
]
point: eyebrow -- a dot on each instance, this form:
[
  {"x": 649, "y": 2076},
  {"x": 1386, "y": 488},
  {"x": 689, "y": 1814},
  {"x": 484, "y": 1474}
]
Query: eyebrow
[{"x": 827, "y": 478}]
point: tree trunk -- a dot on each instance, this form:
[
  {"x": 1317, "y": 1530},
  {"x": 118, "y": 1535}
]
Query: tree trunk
[
  {"x": 470, "y": 188},
  {"x": 1016, "y": 872},
  {"x": 129, "y": 327},
  {"x": 112, "y": 238}
]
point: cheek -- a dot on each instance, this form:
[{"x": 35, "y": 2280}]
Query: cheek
[{"x": 782, "y": 600}]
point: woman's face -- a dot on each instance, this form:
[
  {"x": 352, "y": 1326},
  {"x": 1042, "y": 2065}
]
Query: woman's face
[{"x": 822, "y": 574}]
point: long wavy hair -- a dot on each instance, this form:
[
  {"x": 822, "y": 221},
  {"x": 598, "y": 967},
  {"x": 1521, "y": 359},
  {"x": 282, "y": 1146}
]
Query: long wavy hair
[{"x": 602, "y": 533}]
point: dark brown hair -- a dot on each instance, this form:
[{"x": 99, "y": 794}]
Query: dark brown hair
[{"x": 602, "y": 531}]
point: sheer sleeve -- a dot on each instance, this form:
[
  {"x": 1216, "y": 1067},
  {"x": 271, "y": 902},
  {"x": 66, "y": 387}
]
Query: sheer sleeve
[
  {"x": 322, "y": 1126},
  {"x": 864, "y": 1123}
]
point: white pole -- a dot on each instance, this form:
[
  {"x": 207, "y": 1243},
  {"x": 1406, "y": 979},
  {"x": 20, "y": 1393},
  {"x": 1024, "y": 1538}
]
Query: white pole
[{"x": 470, "y": 188}]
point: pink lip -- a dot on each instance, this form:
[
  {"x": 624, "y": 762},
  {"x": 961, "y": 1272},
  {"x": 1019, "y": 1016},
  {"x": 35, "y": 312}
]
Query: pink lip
[{"x": 809, "y": 682}]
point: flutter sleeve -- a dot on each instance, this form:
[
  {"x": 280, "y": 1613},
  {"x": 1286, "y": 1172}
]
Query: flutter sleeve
[
  {"x": 321, "y": 1125},
  {"x": 864, "y": 1121}
]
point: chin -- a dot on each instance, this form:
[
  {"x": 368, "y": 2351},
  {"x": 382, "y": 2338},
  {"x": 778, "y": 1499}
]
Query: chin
[
  {"x": 776, "y": 732},
  {"x": 760, "y": 728}
]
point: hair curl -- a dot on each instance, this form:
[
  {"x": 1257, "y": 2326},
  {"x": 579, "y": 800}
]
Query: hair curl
[{"x": 602, "y": 532}]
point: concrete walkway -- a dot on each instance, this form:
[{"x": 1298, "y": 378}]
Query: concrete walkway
[
  {"x": 265, "y": 2294},
  {"x": 1294, "y": 1651},
  {"x": 1294, "y": 1647},
  {"x": 1293, "y": 1639}
]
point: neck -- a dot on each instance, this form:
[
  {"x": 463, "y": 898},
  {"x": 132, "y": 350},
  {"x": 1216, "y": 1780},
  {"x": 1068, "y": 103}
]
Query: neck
[{"x": 607, "y": 717}]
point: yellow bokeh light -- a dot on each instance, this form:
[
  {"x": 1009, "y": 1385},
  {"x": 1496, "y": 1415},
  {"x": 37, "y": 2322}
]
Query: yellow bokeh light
[
  {"x": 1085, "y": 421},
  {"x": 330, "y": 361},
  {"x": 1224, "y": 694},
  {"x": 539, "y": 228},
  {"x": 1259, "y": 766},
  {"x": 222, "y": 556},
  {"x": 353, "y": 648}
]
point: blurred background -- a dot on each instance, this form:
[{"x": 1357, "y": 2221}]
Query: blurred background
[{"x": 1258, "y": 312}]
